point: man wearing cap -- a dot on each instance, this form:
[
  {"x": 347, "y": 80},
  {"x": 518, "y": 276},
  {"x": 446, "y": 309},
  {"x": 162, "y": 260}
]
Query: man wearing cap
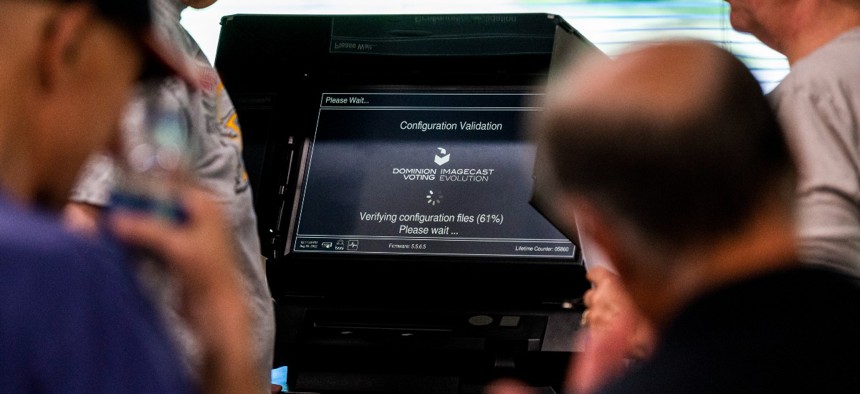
[
  {"x": 210, "y": 124},
  {"x": 73, "y": 317}
]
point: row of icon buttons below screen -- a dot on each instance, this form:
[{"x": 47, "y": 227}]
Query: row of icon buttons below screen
[{"x": 351, "y": 244}]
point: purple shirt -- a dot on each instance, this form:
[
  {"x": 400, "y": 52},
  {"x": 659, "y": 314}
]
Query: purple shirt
[{"x": 72, "y": 316}]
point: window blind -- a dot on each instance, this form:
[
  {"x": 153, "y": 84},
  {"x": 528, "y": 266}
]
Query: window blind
[{"x": 612, "y": 25}]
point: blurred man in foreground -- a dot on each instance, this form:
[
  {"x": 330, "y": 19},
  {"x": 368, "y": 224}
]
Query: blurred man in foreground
[
  {"x": 72, "y": 316},
  {"x": 209, "y": 125},
  {"x": 677, "y": 169},
  {"x": 817, "y": 103}
]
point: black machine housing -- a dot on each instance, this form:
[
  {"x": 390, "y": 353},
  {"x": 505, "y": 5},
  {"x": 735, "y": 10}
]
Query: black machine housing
[{"x": 417, "y": 322}]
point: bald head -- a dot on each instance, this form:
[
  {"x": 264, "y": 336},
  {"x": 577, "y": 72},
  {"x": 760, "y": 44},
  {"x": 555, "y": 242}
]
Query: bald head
[
  {"x": 661, "y": 83},
  {"x": 675, "y": 137}
]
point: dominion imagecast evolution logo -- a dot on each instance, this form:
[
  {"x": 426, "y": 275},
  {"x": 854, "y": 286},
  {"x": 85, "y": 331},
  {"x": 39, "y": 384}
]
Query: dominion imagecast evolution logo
[
  {"x": 443, "y": 157},
  {"x": 451, "y": 174}
]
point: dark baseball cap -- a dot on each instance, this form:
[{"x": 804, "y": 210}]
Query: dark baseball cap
[{"x": 135, "y": 16}]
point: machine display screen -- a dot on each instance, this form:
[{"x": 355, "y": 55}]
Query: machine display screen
[{"x": 423, "y": 173}]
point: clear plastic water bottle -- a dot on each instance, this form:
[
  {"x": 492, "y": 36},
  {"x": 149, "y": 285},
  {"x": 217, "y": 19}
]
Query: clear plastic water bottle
[{"x": 154, "y": 156}]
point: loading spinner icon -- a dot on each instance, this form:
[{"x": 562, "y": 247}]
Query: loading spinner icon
[{"x": 433, "y": 198}]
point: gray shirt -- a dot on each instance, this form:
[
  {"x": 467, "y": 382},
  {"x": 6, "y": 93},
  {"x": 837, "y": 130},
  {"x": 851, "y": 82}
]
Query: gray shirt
[{"x": 819, "y": 106}]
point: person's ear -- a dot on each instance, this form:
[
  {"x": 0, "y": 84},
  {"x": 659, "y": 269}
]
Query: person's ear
[
  {"x": 62, "y": 43},
  {"x": 598, "y": 233}
]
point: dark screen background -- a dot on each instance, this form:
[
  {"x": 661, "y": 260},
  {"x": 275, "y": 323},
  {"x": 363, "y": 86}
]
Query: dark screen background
[{"x": 362, "y": 160}]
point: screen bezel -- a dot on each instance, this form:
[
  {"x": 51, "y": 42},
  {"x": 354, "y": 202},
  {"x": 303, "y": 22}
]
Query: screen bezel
[{"x": 413, "y": 277}]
